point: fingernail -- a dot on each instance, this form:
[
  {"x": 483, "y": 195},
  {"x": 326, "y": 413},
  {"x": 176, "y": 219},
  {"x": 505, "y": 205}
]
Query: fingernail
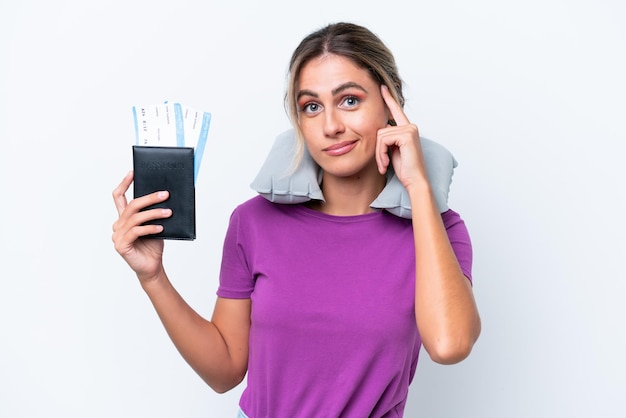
[{"x": 162, "y": 194}]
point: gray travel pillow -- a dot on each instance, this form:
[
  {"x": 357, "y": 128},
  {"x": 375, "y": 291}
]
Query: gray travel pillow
[{"x": 278, "y": 182}]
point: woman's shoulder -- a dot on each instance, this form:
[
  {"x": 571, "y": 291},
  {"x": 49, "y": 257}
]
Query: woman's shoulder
[
  {"x": 451, "y": 218},
  {"x": 259, "y": 207},
  {"x": 257, "y": 204}
]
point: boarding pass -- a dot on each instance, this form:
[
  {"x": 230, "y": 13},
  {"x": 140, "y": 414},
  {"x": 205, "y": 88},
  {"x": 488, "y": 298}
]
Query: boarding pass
[{"x": 172, "y": 125}]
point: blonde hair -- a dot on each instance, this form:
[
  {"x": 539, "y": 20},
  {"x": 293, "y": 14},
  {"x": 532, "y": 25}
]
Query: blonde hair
[{"x": 348, "y": 40}]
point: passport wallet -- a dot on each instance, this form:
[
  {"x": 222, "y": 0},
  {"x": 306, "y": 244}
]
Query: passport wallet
[{"x": 172, "y": 169}]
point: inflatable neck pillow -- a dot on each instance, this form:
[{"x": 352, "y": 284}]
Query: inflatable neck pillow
[{"x": 278, "y": 182}]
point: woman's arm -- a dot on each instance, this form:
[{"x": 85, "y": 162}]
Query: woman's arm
[
  {"x": 445, "y": 310},
  {"x": 217, "y": 350}
]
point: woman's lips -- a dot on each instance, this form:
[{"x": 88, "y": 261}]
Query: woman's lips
[{"x": 340, "y": 148}]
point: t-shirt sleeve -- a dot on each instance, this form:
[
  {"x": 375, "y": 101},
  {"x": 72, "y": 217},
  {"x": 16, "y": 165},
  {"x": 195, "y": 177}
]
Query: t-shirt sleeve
[
  {"x": 460, "y": 240},
  {"x": 236, "y": 280}
]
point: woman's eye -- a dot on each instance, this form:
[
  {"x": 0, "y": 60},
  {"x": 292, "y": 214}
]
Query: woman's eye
[
  {"x": 351, "y": 101},
  {"x": 310, "y": 108}
]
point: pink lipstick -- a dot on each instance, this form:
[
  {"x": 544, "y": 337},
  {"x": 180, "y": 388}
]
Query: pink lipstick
[{"x": 340, "y": 148}]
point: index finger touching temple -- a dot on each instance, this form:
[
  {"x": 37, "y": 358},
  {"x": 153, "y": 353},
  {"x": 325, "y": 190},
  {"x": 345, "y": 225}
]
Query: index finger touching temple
[{"x": 396, "y": 110}]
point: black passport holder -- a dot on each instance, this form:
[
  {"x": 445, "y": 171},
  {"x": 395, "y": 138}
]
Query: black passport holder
[{"x": 171, "y": 169}]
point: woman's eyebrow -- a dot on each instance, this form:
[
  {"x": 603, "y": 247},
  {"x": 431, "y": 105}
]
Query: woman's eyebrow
[
  {"x": 335, "y": 91},
  {"x": 306, "y": 93},
  {"x": 348, "y": 85}
]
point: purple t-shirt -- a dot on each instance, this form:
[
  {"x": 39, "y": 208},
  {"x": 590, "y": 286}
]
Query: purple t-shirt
[{"x": 333, "y": 330}]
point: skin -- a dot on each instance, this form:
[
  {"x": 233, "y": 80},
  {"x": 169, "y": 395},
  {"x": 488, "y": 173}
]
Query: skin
[
  {"x": 341, "y": 106},
  {"x": 343, "y": 115}
]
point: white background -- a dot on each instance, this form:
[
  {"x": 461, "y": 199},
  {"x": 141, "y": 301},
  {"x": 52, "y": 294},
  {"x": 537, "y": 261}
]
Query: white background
[{"x": 529, "y": 96}]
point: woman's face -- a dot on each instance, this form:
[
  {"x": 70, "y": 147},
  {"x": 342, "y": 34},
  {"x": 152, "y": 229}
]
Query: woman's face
[{"x": 340, "y": 110}]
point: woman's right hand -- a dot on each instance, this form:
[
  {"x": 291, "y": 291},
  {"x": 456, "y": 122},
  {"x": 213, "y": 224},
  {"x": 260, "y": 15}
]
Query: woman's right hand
[{"x": 143, "y": 255}]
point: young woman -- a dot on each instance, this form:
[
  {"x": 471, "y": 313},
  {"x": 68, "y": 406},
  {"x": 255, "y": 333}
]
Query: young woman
[{"x": 325, "y": 305}]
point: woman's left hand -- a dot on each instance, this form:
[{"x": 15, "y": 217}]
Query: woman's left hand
[{"x": 402, "y": 142}]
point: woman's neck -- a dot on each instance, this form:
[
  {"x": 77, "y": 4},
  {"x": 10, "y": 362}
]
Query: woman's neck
[{"x": 346, "y": 196}]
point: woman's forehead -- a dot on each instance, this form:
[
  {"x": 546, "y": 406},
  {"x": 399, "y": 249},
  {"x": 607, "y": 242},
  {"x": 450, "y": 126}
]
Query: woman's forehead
[{"x": 329, "y": 71}]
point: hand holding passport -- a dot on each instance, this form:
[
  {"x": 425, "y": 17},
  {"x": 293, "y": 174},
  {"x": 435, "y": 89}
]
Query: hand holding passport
[{"x": 170, "y": 140}]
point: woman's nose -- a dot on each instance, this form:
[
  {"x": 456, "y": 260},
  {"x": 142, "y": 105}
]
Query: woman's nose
[{"x": 333, "y": 124}]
